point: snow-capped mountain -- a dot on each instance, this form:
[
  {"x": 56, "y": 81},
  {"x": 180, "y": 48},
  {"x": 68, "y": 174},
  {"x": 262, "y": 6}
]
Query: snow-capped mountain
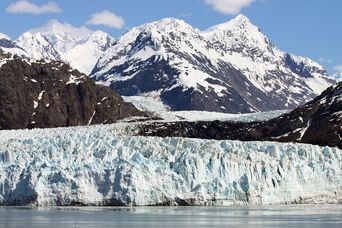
[
  {"x": 79, "y": 47},
  {"x": 4, "y": 37},
  {"x": 232, "y": 67},
  {"x": 8, "y": 46}
]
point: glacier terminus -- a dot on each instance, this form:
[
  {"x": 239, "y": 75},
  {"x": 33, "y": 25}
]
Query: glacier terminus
[{"x": 97, "y": 166}]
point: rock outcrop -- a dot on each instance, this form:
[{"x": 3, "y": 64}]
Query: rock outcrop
[{"x": 44, "y": 95}]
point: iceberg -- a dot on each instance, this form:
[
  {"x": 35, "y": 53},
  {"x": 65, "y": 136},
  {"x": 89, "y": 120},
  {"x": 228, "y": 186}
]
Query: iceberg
[{"x": 95, "y": 166}]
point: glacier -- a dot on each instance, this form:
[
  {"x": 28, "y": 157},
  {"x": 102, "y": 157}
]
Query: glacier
[{"x": 95, "y": 166}]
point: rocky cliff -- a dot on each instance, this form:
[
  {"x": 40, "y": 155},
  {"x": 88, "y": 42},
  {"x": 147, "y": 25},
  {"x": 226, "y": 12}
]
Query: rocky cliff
[{"x": 40, "y": 95}]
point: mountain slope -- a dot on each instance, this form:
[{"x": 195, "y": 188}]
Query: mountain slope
[
  {"x": 231, "y": 68},
  {"x": 40, "y": 95},
  {"x": 79, "y": 47},
  {"x": 318, "y": 122}
]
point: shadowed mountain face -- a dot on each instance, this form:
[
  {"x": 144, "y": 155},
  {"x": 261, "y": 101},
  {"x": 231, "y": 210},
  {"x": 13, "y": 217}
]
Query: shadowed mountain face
[
  {"x": 318, "y": 122},
  {"x": 44, "y": 95}
]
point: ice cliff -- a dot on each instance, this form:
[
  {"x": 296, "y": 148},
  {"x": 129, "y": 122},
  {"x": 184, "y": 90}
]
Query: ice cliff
[{"x": 94, "y": 166}]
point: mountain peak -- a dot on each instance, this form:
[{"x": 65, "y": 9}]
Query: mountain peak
[
  {"x": 240, "y": 21},
  {"x": 4, "y": 37},
  {"x": 99, "y": 33},
  {"x": 168, "y": 24},
  {"x": 56, "y": 27},
  {"x": 171, "y": 21}
]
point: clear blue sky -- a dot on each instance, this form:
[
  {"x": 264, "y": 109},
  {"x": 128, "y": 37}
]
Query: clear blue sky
[{"x": 311, "y": 28}]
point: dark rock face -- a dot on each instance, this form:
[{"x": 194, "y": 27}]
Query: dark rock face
[
  {"x": 6, "y": 43},
  {"x": 44, "y": 95},
  {"x": 318, "y": 122}
]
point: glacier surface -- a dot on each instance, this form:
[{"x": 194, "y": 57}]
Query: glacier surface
[{"x": 95, "y": 166}]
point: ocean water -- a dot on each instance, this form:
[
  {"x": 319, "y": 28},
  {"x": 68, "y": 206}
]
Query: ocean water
[{"x": 180, "y": 217}]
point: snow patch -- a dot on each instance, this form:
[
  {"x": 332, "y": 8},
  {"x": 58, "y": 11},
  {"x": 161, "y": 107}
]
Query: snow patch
[
  {"x": 74, "y": 80},
  {"x": 35, "y": 104},
  {"x": 91, "y": 118},
  {"x": 4, "y": 37},
  {"x": 303, "y": 131},
  {"x": 40, "y": 97}
]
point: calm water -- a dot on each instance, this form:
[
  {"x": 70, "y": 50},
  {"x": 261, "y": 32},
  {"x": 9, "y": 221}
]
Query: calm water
[{"x": 282, "y": 216}]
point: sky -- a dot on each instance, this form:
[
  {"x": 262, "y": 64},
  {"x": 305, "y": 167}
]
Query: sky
[{"x": 310, "y": 28}]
